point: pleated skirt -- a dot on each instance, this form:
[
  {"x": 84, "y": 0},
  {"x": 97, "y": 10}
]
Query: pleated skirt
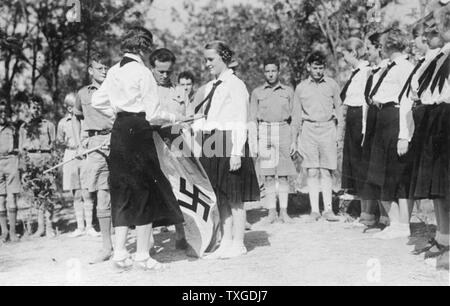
[
  {"x": 230, "y": 187},
  {"x": 431, "y": 142}
]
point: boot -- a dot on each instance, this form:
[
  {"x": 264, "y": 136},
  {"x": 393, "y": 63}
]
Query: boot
[
  {"x": 272, "y": 217},
  {"x": 41, "y": 224},
  {"x": 285, "y": 217}
]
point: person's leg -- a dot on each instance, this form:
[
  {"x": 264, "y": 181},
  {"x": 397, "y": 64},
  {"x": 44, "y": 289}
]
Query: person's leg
[
  {"x": 12, "y": 216},
  {"x": 368, "y": 208},
  {"x": 327, "y": 192},
  {"x": 88, "y": 210},
  {"x": 397, "y": 229},
  {"x": 3, "y": 218},
  {"x": 444, "y": 223},
  {"x": 121, "y": 254},
  {"x": 41, "y": 222},
  {"x": 180, "y": 237},
  {"x": 49, "y": 231},
  {"x": 283, "y": 196},
  {"x": 79, "y": 213},
  {"x": 436, "y": 204},
  {"x": 314, "y": 190},
  {"x": 143, "y": 234},
  {"x": 104, "y": 218},
  {"x": 271, "y": 198},
  {"x": 226, "y": 222},
  {"x": 238, "y": 218}
]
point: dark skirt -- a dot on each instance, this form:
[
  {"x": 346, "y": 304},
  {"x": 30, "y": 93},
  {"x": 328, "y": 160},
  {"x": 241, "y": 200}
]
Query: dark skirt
[
  {"x": 230, "y": 187},
  {"x": 369, "y": 192},
  {"x": 430, "y": 174},
  {"x": 353, "y": 173},
  {"x": 140, "y": 193},
  {"x": 388, "y": 176}
]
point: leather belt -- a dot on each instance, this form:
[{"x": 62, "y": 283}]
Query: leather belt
[
  {"x": 386, "y": 105},
  {"x": 128, "y": 114},
  {"x": 288, "y": 121},
  {"x": 39, "y": 151}
]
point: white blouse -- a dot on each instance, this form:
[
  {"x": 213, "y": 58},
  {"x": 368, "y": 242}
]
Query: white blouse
[
  {"x": 229, "y": 110},
  {"x": 131, "y": 88}
]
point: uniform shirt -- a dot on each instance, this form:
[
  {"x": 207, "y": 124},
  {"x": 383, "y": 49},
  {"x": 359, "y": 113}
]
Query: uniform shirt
[
  {"x": 436, "y": 97},
  {"x": 390, "y": 90},
  {"x": 43, "y": 141},
  {"x": 130, "y": 88},
  {"x": 65, "y": 133},
  {"x": 7, "y": 135},
  {"x": 316, "y": 102},
  {"x": 355, "y": 92},
  {"x": 271, "y": 103},
  {"x": 426, "y": 96},
  {"x": 229, "y": 110},
  {"x": 93, "y": 120},
  {"x": 170, "y": 101}
]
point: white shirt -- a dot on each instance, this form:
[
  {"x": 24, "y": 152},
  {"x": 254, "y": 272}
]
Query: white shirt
[
  {"x": 436, "y": 97},
  {"x": 229, "y": 110},
  {"x": 131, "y": 88},
  {"x": 390, "y": 90},
  {"x": 376, "y": 76},
  {"x": 355, "y": 92}
]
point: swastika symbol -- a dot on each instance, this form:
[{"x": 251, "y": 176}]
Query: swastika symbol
[{"x": 195, "y": 199}]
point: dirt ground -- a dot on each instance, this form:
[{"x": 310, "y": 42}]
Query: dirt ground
[{"x": 280, "y": 254}]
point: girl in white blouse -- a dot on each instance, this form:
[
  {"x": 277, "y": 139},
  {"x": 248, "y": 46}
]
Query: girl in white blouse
[{"x": 225, "y": 149}]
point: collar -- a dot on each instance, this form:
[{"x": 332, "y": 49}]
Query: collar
[
  {"x": 92, "y": 87},
  {"x": 313, "y": 81},
  {"x": 226, "y": 75},
  {"x": 401, "y": 58},
  {"x": 431, "y": 53},
  {"x": 68, "y": 117},
  {"x": 446, "y": 47},
  {"x": 274, "y": 87},
  {"x": 362, "y": 65},
  {"x": 135, "y": 57}
]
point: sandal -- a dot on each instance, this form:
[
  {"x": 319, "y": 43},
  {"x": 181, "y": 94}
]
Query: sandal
[
  {"x": 378, "y": 226},
  {"x": 124, "y": 264},
  {"x": 431, "y": 244},
  {"x": 150, "y": 265}
]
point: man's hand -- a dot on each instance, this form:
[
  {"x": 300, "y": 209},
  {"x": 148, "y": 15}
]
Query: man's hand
[
  {"x": 235, "y": 163},
  {"x": 402, "y": 147},
  {"x": 293, "y": 149}
]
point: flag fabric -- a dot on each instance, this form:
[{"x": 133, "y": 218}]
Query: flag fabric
[{"x": 194, "y": 193}]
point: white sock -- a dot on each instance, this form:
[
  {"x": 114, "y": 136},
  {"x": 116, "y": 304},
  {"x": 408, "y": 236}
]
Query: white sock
[{"x": 142, "y": 257}]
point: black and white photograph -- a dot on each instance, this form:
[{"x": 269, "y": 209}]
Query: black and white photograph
[{"x": 212, "y": 145}]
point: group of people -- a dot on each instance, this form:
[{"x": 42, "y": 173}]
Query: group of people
[{"x": 390, "y": 117}]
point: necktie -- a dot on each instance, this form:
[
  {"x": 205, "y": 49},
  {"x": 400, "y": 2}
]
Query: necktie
[
  {"x": 427, "y": 76},
  {"x": 369, "y": 84},
  {"x": 208, "y": 99},
  {"x": 441, "y": 76},
  {"x": 407, "y": 86},
  {"x": 347, "y": 85},
  {"x": 380, "y": 81}
]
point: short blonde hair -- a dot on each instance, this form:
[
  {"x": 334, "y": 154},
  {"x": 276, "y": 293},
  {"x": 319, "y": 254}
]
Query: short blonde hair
[{"x": 70, "y": 99}]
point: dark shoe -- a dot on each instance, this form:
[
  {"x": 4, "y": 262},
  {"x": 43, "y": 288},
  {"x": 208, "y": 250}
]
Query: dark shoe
[
  {"x": 248, "y": 226},
  {"x": 378, "y": 226},
  {"x": 429, "y": 246},
  {"x": 181, "y": 244},
  {"x": 433, "y": 254}
]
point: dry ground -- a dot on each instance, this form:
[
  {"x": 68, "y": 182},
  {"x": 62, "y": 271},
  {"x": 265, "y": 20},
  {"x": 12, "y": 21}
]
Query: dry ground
[{"x": 279, "y": 254}]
